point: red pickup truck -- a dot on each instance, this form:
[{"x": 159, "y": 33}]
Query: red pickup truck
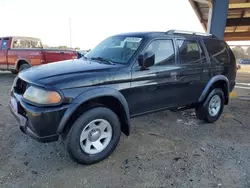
[{"x": 19, "y": 53}]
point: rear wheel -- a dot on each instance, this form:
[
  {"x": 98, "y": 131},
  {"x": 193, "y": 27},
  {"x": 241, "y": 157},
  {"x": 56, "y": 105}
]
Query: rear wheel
[
  {"x": 23, "y": 67},
  {"x": 93, "y": 136},
  {"x": 211, "y": 109}
]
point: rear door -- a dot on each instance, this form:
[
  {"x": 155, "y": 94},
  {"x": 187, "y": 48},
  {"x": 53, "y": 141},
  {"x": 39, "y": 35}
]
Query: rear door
[
  {"x": 194, "y": 69},
  {"x": 4, "y": 44}
]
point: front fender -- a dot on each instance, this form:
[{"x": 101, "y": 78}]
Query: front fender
[
  {"x": 213, "y": 80},
  {"x": 92, "y": 94}
]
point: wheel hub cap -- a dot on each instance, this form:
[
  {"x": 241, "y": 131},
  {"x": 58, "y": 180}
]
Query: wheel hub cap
[
  {"x": 94, "y": 135},
  {"x": 214, "y": 105}
]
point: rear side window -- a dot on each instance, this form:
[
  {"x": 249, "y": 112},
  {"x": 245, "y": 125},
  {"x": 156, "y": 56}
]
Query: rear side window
[
  {"x": 26, "y": 43},
  {"x": 190, "y": 52},
  {"x": 5, "y": 44},
  {"x": 217, "y": 50},
  {"x": 164, "y": 52}
]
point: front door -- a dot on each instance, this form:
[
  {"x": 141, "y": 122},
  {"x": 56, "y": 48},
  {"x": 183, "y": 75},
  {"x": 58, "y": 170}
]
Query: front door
[{"x": 157, "y": 87}]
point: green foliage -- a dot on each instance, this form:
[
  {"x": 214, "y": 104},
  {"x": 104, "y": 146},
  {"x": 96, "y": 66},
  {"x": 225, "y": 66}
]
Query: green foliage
[
  {"x": 238, "y": 52},
  {"x": 248, "y": 52}
]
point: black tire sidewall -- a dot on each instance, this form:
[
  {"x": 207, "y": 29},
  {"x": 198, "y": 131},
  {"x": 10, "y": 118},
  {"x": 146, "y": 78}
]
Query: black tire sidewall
[
  {"x": 23, "y": 67},
  {"x": 207, "y": 117},
  {"x": 14, "y": 71},
  {"x": 73, "y": 137}
]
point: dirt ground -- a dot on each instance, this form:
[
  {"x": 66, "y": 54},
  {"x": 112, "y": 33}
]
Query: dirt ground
[{"x": 165, "y": 149}]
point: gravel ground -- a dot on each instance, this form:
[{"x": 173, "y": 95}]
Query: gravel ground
[{"x": 165, "y": 149}]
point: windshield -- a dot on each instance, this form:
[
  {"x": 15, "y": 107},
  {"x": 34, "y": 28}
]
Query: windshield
[{"x": 118, "y": 49}]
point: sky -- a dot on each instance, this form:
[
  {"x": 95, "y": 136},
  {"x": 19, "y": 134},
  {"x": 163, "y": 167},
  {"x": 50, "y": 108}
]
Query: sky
[{"x": 92, "y": 20}]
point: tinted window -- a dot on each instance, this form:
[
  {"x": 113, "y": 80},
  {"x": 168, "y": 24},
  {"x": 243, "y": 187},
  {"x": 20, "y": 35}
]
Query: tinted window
[
  {"x": 26, "y": 43},
  {"x": 163, "y": 50},
  {"x": 5, "y": 44},
  {"x": 217, "y": 50},
  {"x": 189, "y": 52}
]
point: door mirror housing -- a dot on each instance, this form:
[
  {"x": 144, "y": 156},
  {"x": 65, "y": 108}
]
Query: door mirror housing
[{"x": 146, "y": 60}]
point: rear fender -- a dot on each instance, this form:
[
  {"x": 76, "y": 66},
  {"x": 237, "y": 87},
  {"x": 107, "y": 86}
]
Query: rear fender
[{"x": 210, "y": 84}]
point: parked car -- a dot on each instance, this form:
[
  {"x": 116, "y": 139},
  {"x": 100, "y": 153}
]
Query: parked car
[
  {"x": 244, "y": 61},
  {"x": 19, "y": 53},
  {"x": 244, "y": 64},
  {"x": 90, "y": 101}
]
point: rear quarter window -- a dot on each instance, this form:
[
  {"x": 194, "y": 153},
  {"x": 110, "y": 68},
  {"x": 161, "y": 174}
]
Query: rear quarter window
[{"x": 217, "y": 50}]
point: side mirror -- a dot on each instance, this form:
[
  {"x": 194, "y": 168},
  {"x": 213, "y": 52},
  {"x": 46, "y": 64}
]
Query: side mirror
[{"x": 146, "y": 60}]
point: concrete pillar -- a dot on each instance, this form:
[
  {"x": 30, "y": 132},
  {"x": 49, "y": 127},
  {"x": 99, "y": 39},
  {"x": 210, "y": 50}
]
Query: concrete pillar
[{"x": 218, "y": 18}]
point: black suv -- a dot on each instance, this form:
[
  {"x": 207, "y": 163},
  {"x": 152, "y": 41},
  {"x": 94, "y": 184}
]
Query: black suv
[{"x": 89, "y": 101}]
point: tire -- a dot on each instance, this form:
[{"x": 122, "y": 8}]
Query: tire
[
  {"x": 87, "y": 124},
  {"x": 23, "y": 67},
  {"x": 14, "y": 71},
  {"x": 211, "y": 109}
]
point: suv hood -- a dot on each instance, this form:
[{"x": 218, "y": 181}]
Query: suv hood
[{"x": 53, "y": 73}]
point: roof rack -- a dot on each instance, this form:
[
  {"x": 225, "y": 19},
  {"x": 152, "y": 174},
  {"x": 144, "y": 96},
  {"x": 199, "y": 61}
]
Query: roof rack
[{"x": 171, "y": 32}]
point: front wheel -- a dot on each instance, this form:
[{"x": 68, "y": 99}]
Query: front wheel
[
  {"x": 211, "y": 109},
  {"x": 93, "y": 136}
]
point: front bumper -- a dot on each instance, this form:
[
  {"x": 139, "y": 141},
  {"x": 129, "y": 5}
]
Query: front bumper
[{"x": 40, "y": 123}]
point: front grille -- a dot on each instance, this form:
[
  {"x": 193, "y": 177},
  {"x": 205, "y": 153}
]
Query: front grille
[{"x": 20, "y": 86}]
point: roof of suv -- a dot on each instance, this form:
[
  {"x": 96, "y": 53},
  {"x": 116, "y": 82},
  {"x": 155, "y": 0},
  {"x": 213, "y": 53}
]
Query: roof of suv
[
  {"x": 163, "y": 34},
  {"x": 143, "y": 34}
]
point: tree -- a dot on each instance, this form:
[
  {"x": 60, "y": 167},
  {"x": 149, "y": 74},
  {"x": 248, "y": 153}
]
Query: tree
[
  {"x": 248, "y": 52},
  {"x": 62, "y": 47},
  {"x": 238, "y": 52},
  {"x": 45, "y": 46}
]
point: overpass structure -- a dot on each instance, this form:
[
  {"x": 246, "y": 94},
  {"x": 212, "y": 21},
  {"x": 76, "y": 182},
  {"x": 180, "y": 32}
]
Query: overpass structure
[{"x": 226, "y": 19}]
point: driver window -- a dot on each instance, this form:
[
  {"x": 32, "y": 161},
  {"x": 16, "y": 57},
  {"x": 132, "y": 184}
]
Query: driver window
[{"x": 164, "y": 52}]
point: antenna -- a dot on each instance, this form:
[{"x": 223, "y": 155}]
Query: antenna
[{"x": 70, "y": 38}]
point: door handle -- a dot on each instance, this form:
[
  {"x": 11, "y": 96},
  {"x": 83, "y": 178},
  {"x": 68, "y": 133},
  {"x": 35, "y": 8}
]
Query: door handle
[
  {"x": 205, "y": 70},
  {"x": 173, "y": 74}
]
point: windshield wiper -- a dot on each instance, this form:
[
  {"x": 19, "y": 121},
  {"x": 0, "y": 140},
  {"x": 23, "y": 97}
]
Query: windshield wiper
[
  {"x": 103, "y": 59},
  {"x": 83, "y": 56}
]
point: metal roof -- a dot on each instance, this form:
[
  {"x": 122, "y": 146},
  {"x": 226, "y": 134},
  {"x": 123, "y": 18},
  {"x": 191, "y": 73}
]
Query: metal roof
[{"x": 238, "y": 19}]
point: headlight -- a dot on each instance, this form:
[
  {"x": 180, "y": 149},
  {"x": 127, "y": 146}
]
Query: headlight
[{"x": 41, "y": 96}]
